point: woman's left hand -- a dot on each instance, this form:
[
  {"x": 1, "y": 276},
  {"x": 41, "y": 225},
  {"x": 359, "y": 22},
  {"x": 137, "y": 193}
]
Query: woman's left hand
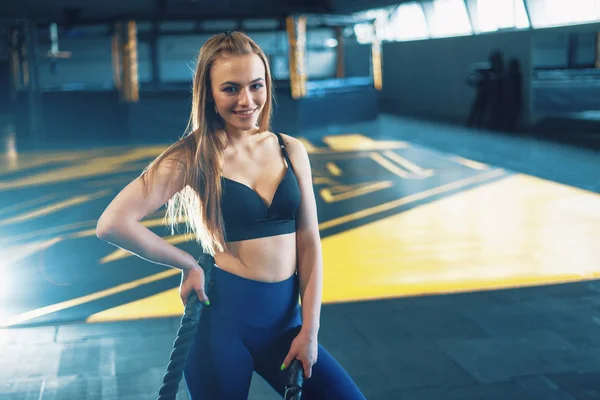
[{"x": 305, "y": 348}]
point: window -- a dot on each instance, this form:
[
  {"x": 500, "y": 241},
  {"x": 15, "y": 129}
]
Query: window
[
  {"x": 364, "y": 32},
  {"x": 447, "y": 18},
  {"x": 408, "y": 23},
  {"x": 492, "y": 15},
  {"x": 545, "y": 13},
  {"x": 404, "y": 22}
]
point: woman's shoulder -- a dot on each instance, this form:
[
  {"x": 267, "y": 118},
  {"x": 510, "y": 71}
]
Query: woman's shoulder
[{"x": 291, "y": 143}]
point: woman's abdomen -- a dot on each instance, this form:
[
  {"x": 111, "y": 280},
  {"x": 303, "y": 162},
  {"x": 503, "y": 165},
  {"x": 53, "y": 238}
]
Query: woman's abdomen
[{"x": 268, "y": 259}]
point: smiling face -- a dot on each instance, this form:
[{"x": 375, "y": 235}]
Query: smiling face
[{"x": 239, "y": 90}]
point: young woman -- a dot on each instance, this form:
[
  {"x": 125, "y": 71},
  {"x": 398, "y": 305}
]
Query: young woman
[{"x": 247, "y": 195}]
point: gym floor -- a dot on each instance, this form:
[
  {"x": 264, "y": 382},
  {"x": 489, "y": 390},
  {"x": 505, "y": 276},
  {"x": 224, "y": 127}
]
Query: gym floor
[{"x": 459, "y": 264}]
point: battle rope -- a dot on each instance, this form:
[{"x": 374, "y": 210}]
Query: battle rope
[
  {"x": 293, "y": 388},
  {"x": 185, "y": 338}
]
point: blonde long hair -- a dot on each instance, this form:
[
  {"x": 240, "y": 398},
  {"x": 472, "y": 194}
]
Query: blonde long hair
[{"x": 200, "y": 150}]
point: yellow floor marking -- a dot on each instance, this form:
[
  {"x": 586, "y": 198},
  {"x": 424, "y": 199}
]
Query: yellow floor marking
[
  {"x": 509, "y": 233},
  {"x": 344, "y": 192},
  {"x": 411, "y": 198},
  {"x": 334, "y": 169},
  {"x": 53, "y": 208},
  {"x": 409, "y": 165},
  {"x": 39, "y": 312},
  {"x": 518, "y": 231},
  {"x": 163, "y": 304},
  {"x": 470, "y": 163}
]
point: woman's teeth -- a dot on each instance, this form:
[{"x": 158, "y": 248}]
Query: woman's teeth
[{"x": 248, "y": 112}]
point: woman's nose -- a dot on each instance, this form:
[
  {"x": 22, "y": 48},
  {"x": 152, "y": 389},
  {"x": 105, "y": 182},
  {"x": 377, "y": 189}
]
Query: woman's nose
[{"x": 244, "y": 98}]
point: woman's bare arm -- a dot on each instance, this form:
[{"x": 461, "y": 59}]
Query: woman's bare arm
[{"x": 120, "y": 223}]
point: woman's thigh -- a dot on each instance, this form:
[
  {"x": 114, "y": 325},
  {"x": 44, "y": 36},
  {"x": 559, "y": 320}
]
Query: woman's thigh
[
  {"x": 219, "y": 365},
  {"x": 329, "y": 380}
]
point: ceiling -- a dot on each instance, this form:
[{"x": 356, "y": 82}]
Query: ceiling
[{"x": 90, "y": 11}]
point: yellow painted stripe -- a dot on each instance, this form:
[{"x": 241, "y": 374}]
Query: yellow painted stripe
[
  {"x": 409, "y": 165},
  {"x": 75, "y": 235},
  {"x": 11, "y": 255},
  {"x": 61, "y": 205},
  {"x": 24, "y": 204},
  {"x": 84, "y": 169},
  {"x": 333, "y": 169},
  {"x": 470, "y": 163},
  {"x": 339, "y": 193},
  {"x": 358, "y": 142},
  {"x": 324, "y": 181},
  {"x": 387, "y": 164},
  {"x": 159, "y": 305},
  {"x": 51, "y": 230},
  {"x": 364, "y": 213},
  {"x": 310, "y": 148},
  {"x": 494, "y": 236},
  {"x": 18, "y": 319},
  {"x": 410, "y": 198},
  {"x": 121, "y": 254},
  {"x": 514, "y": 232}
]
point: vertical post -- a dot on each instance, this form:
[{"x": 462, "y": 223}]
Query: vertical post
[
  {"x": 16, "y": 78},
  {"x": 597, "y": 50},
  {"x": 340, "y": 59},
  {"x": 296, "y": 29},
  {"x": 125, "y": 61},
  {"x": 376, "y": 58},
  {"x": 572, "y": 43},
  {"x": 32, "y": 80},
  {"x": 154, "y": 57},
  {"x": 131, "y": 51}
]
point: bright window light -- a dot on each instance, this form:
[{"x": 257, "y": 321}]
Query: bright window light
[
  {"x": 492, "y": 15},
  {"x": 545, "y": 13},
  {"x": 404, "y": 22},
  {"x": 409, "y": 23},
  {"x": 447, "y": 18},
  {"x": 364, "y": 32}
]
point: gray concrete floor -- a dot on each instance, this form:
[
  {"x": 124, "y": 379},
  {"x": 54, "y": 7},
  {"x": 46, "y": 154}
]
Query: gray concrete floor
[{"x": 527, "y": 343}]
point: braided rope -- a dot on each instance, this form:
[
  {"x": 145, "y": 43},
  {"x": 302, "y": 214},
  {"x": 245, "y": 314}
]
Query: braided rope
[
  {"x": 184, "y": 340},
  {"x": 293, "y": 388}
]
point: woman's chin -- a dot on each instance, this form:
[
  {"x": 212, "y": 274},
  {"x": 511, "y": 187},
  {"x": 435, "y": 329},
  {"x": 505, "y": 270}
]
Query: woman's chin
[{"x": 243, "y": 125}]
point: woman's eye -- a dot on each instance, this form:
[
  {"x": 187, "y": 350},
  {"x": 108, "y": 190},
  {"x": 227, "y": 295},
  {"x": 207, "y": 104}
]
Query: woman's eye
[{"x": 229, "y": 89}]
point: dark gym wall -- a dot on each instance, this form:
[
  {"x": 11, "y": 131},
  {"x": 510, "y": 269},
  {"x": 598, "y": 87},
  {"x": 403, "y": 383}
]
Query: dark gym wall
[{"x": 426, "y": 79}]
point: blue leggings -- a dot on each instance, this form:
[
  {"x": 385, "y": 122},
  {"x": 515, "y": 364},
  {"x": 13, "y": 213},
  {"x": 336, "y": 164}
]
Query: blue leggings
[{"x": 249, "y": 326}]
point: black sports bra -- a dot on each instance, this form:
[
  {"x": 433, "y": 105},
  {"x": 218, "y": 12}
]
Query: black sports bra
[{"x": 247, "y": 216}]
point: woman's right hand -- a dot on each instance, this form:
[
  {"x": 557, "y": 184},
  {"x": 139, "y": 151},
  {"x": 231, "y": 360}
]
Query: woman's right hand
[{"x": 192, "y": 281}]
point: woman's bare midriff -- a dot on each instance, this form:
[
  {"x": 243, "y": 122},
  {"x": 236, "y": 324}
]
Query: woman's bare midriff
[{"x": 268, "y": 259}]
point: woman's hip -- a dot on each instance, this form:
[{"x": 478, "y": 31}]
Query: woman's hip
[{"x": 265, "y": 305}]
